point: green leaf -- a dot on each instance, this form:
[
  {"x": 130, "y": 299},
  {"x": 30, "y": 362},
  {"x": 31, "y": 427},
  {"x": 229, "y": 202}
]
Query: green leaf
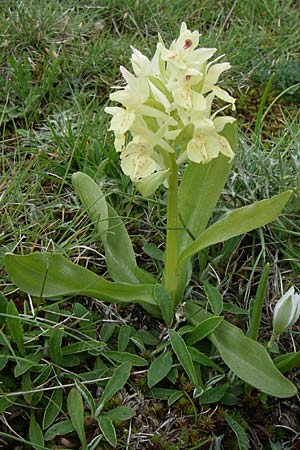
[
  {"x": 287, "y": 362},
  {"x": 212, "y": 395},
  {"x": 198, "y": 194},
  {"x": 162, "y": 393},
  {"x": 82, "y": 346},
  {"x": 107, "y": 330},
  {"x": 59, "y": 429},
  {"x": 85, "y": 393},
  {"x": 248, "y": 359},
  {"x": 35, "y": 434},
  {"x": 236, "y": 222},
  {"x": 165, "y": 302},
  {"x": 13, "y": 322},
  {"x": 159, "y": 368},
  {"x": 203, "y": 360},
  {"x": 53, "y": 408},
  {"x": 203, "y": 329},
  {"x": 47, "y": 275},
  {"x": 256, "y": 311},
  {"x": 123, "y": 338},
  {"x": 24, "y": 364},
  {"x": 239, "y": 431},
  {"x": 55, "y": 341},
  {"x": 214, "y": 297},
  {"x": 108, "y": 430},
  {"x": 126, "y": 357},
  {"x": 183, "y": 356},
  {"x": 76, "y": 412},
  {"x": 119, "y": 254},
  {"x": 153, "y": 251},
  {"x": 120, "y": 413},
  {"x": 117, "y": 381}
]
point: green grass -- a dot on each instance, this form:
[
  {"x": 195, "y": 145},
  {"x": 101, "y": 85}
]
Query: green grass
[{"x": 57, "y": 63}]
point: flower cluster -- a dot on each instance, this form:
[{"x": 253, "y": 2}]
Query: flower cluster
[{"x": 167, "y": 108}]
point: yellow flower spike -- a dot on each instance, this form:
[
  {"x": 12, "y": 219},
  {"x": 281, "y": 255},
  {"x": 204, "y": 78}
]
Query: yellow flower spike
[{"x": 174, "y": 90}]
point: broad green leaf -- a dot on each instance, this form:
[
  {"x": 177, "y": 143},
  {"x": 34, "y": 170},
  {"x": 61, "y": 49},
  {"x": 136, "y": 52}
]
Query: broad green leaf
[
  {"x": 123, "y": 338},
  {"x": 35, "y": 434},
  {"x": 53, "y": 408},
  {"x": 52, "y": 275},
  {"x": 108, "y": 430},
  {"x": 59, "y": 429},
  {"x": 117, "y": 381},
  {"x": 126, "y": 357},
  {"x": 55, "y": 341},
  {"x": 239, "y": 431},
  {"x": 76, "y": 412},
  {"x": 119, "y": 254},
  {"x": 183, "y": 356},
  {"x": 248, "y": 359},
  {"x": 13, "y": 322},
  {"x": 165, "y": 302},
  {"x": 214, "y": 297},
  {"x": 199, "y": 191},
  {"x": 287, "y": 362},
  {"x": 120, "y": 413},
  {"x": 198, "y": 194},
  {"x": 203, "y": 329},
  {"x": 236, "y": 222},
  {"x": 159, "y": 368}
]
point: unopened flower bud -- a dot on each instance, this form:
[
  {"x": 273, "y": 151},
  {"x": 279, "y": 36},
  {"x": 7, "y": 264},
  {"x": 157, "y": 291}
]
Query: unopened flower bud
[{"x": 286, "y": 312}]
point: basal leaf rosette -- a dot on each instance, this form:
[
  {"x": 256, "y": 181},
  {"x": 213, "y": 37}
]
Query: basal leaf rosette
[{"x": 170, "y": 105}]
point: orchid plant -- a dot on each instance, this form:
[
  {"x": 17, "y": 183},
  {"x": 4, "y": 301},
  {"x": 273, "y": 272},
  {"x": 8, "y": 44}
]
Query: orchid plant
[{"x": 170, "y": 130}]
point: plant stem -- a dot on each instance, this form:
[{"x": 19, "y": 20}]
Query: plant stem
[
  {"x": 172, "y": 230},
  {"x": 272, "y": 340}
]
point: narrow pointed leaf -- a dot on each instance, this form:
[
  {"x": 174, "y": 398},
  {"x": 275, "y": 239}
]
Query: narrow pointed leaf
[
  {"x": 35, "y": 434},
  {"x": 117, "y": 381},
  {"x": 248, "y": 359},
  {"x": 126, "y": 357},
  {"x": 76, "y": 412},
  {"x": 119, "y": 254},
  {"x": 203, "y": 329},
  {"x": 238, "y": 222},
  {"x": 183, "y": 356},
  {"x": 159, "y": 368},
  {"x": 239, "y": 431},
  {"x": 51, "y": 275},
  {"x": 214, "y": 297},
  {"x": 59, "y": 429},
  {"x": 165, "y": 302},
  {"x": 108, "y": 430},
  {"x": 53, "y": 408},
  {"x": 14, "y": 325}
]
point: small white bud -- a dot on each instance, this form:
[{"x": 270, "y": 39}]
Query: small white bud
[{"x": 286, "y": 312}]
